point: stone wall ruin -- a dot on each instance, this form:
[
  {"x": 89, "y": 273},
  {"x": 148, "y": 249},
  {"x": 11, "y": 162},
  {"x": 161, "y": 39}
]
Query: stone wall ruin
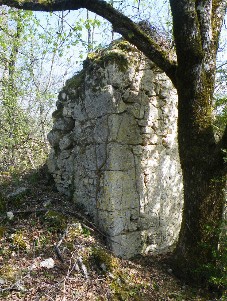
[{"x": 114, "y": 149}]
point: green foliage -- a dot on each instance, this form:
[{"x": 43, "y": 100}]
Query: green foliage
[
  {"x": 20, "y": 144},
  {"x": 216, "y": 271},
  {"x": 102, "y": 257},
  {"x": 30, "y": 50},
  {"x": 221, "y": 113},
  {"x": 54, "y": 220},
  {"x": 9, "y": 272},
  {"x": 219, "y": 272},
  {"x": 220, "y": 100},
  {"x": 225, "y": 155},
  {"x": 20, "y": 240}
]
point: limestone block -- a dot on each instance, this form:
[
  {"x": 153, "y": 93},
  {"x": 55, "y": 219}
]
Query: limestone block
[
  {"x": 101, "y": 130},
  {"x": 146, "y": 83},
  {"x": 119, "y": 157},
  {"x": 118, "y": 191},
  {"x": 79, "y": 112},
  {"x": 83, "y": 132},
  {"x": 101, "y": 155},
  {"x": 52, "y": 162},
  {"x": 54, "y": 137},
  {"x": 64, "y": 124},
  {"x": 151, "y": 152},
  {"x": 67, "y": 112},
  {"x": 89, "y": 157},
  {"x": 116, "y": 77},
  {"x": 66, "y": 142},
  {"x": 130, "y": 96},
  {"x": 137, "y": 150},
  {"x": 123, "y": 129},
  {"x": 100, "y": 103},
  {"x": 114, "y": 224},
  {"x": 126, "y": 245}
]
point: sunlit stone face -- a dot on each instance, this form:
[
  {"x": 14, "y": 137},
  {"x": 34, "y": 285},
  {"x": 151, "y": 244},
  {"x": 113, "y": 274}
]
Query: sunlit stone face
[{"x": 115, "y": 152}]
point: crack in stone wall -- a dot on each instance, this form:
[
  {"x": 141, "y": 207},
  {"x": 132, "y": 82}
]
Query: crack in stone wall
[{"x": 115, "y": 152}]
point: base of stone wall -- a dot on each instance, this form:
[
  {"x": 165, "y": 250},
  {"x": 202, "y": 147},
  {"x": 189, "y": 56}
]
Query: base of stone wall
[{"x": 126, "y": 245}]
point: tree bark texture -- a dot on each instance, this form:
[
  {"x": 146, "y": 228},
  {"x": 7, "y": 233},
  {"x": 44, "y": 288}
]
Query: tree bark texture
[
  {"x": 196, "y": 26},
  {"x": 204, "y": 174}
]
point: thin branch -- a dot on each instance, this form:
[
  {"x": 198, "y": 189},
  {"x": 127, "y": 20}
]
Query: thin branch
[
  {"x": 210, "y": 15},
  {"x": 121, "y": 24},
  {"x": 219, "y": 67}
]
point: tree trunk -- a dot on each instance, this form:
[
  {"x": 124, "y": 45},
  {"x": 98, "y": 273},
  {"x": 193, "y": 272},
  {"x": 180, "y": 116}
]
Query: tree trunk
[
  {"x": 204, "y": 179},
  {"x": 202, "y": 217},
  {"x": 197, "y": 26}
]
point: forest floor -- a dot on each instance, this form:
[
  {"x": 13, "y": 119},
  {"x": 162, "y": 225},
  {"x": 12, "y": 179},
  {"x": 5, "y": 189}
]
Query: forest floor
[{"x": 49, "y": 250}]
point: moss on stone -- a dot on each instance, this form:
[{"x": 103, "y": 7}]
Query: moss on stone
[
  {"x": 75, "y": 82},
  {"x": 116, "y": 53},
  {"x": 126, "y": 46},
  {"x": 113, "y": 57},
  {"x": 57, "y": 114}
]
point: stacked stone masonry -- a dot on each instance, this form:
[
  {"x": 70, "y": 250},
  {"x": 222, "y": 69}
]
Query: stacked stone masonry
[{"x": 115, "y": 152}]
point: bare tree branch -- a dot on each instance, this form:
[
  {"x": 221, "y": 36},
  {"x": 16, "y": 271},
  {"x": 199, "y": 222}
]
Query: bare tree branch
[
  {"x": 197, "y": 25},
  {"x": 121, "y": 24},
  {"x": 210, "y": 15}
]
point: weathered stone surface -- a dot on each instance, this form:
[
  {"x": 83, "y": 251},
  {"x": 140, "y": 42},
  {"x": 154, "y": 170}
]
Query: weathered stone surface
[{"x": 115, "y": 150}]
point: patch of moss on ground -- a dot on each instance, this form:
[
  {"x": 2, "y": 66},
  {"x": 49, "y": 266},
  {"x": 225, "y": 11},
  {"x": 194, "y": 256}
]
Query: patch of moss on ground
[
  {"x": 8, "y": 272},
  {"x": 54, "y": 220},
  {"x": 20, "y": 240},
  {"x": 103, "y": 259}
]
